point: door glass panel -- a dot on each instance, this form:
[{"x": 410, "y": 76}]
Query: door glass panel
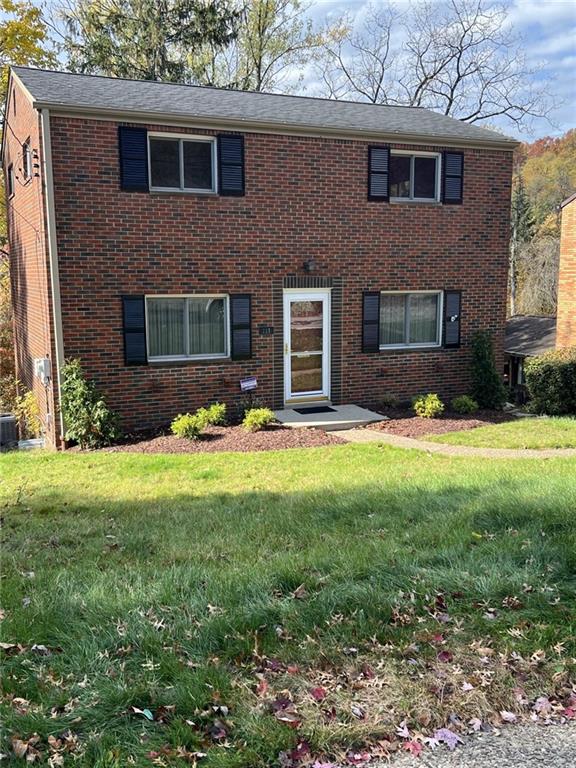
[
  {"x": 306, "y": 374},
  {"x": 306, "y": 326}
]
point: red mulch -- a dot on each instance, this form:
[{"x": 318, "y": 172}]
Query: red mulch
[
  {"x": 217, "y": 439},
  {"x": 406, "y": 424}
]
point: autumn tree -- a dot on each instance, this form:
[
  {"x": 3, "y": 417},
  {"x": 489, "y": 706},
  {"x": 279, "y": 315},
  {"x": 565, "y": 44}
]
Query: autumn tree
[
  {"x": 457, "y": 57},
  {"x": 143, "y": 39}
]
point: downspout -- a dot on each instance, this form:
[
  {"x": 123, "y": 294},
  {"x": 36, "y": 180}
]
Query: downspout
[{"x": 53, "y": 255}]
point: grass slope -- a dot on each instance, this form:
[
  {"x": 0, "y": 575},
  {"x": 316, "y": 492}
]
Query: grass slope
[
  {"x": 547, "y": 432},
  {"x": 174, "y": 583}
]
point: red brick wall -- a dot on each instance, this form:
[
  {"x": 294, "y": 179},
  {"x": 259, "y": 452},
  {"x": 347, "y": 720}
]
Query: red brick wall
[
  {"x": 29, "y": 267},
  {"x": 305, "y": 198},
  {"x": 566, "y": 323}
]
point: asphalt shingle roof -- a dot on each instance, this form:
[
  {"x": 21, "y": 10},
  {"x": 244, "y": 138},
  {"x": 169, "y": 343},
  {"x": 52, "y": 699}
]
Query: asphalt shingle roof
[
  {"x": 529, "y": 335},
  {"x": 60, "y": 90}
]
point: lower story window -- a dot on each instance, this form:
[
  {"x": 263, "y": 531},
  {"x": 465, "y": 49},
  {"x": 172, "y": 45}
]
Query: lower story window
[
  {"x": 182, "y": 327},
  {"x": 410, "y": 319}
]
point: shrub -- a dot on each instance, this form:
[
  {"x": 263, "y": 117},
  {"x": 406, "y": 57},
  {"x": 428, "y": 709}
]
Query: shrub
[
  {"x": 189, "y": 425},
  {"x": 464, "y": 404},
  {"x": 487, "y": 387},
  {"x": 215, "y": 414},
  {"x": 389, "y": 400},
  {"x": 428, "y": 406},
  {"x": 551, "y": 382},
  {"x": 88, "y": 419},
  {"x": 257, "y": 419},
  {"x": 27, "y": 412}
]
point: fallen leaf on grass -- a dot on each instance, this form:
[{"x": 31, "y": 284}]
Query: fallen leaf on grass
[
  {"x": 291, "y": 719},
  {"x": 508, "y": 717},
  {"x": 318, "y": 693},
  {"x": 414, "y": 747},
  {"x": 300, "y": 593},
  {"x": 144, "y": 712}
]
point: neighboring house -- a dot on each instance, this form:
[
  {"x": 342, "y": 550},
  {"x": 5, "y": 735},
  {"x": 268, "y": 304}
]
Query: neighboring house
[
  {"x": 179, "y": 239},
  {"x": 526, "y": 336},
  {"x": 566, "y": 331}
]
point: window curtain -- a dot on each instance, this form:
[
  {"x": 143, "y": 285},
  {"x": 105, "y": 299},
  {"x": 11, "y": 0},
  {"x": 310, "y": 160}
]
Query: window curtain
[
  {"x": 392, "y": 319},
  {"x": 166, "y": 333},
  {"x": 207, "y": 326},
  {"x": 423, "y": 318}
]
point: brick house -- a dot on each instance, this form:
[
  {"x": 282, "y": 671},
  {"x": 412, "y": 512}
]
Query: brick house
[
  {"x": 179, "y": 239},
  {"x": 566, "y": 312}
]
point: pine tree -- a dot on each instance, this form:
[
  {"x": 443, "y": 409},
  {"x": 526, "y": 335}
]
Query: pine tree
[{"x": 522, "y": 230}]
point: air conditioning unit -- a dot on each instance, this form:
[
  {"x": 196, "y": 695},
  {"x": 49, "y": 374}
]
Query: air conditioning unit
[{"x": 43, "y": 370}]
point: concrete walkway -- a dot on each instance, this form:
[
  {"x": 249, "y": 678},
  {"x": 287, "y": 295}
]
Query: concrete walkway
[{"x": 379, "y": 436}]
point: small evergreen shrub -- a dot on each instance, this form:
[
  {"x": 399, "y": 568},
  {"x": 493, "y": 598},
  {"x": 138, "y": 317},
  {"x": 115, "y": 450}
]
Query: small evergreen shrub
[
  {"x": 551, "y": 382},
  {"x": 215, "y": 414},
  {"x": 487, "y": 386},
  {"x": 189, "y": 425},
  {"x": 87, "y": 418},
  {"x": 464, "y": 404},
  {"x": 257, "y": 419},
  {"x": 428, "y": 406}
]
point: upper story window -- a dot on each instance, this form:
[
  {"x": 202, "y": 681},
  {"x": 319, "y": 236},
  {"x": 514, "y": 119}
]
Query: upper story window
[
  {"x": 410, "y": 319},
  {"x": 10, "y": 180},
  {"x": 414, "y": 176},
  {"x": 26, "y": 160},
  {"x": 182, "y": 164},
  {"x": 187, "y": 327}
]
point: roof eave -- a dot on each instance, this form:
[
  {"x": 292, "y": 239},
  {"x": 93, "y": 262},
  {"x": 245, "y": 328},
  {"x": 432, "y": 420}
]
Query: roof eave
[{"x": 261, "y": 126}]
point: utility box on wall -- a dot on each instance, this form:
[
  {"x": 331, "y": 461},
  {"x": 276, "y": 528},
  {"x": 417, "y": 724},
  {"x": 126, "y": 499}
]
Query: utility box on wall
[{"x": 43, "y": 370}]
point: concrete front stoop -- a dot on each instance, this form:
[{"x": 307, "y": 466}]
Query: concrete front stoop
[{"x": 339, "y": 417}]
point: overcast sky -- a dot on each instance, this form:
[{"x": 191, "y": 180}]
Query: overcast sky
[{"x": 548, "y": 28}]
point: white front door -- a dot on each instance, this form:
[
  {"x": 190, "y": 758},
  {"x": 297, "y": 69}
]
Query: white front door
[{"x": 306, "y": 345}]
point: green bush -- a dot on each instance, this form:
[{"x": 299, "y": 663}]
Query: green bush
[
  {"x": 215, "y": 414},
  {"x": 428, "y": 406},
  {"x": 257, "y": 419},
  {"x": 487, "y": 386},
  {"x": 551, "y": 382},
  {"x": 464, "y": 404},
  {"x": 87, "y": 418},
  {"x": 27, "y": 412},
  {"x": 189, "y": 425}
]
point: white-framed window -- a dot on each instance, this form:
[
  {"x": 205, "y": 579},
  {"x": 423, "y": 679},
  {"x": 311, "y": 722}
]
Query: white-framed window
[
  {"x": 192, "y": 327},
  {"x": 410, "y": 319},
  {"x": 414, "y": 176},
  {"x": 182, "y": 163},
  {"x": 26, "y": 160}
]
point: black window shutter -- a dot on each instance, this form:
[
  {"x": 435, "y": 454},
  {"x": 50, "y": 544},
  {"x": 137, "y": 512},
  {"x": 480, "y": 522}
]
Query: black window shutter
[
  {"x": 452, "y": 178},
  {"x": 241, "y": 326},
  {"x": 378, "y": 171},
  {"x": 134, "y": 319},
  {"x": 452, "y": 311},
  {"x": 371, "y": 321},
  {"x": 133, "y": 145},
  {"x": 231, "y": 165}
]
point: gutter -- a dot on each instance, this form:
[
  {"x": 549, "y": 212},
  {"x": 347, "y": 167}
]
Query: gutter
[
  {"x": 161, "y": 118},
  {"x": 53, "y": 255}
]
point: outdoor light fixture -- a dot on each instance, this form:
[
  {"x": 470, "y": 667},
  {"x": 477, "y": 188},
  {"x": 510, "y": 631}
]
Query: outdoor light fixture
[{"x": 310, "y": 265}]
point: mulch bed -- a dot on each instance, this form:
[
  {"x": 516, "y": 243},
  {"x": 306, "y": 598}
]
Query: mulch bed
[
  {"x": 217, "y": 439},
  {"x": 406, "y": 424}
]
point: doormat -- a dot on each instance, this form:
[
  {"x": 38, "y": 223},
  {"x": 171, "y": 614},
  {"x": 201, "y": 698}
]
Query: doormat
[{"x": 316, "y": 409}]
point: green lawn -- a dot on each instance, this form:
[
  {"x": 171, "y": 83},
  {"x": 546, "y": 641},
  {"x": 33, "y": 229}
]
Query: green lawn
[
  {"x": 198, "y": 588},
  {"x": 545, "y": 432}
]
